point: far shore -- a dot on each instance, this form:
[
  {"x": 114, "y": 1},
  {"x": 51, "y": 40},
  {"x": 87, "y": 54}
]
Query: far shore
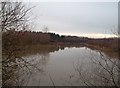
[{"x": 46, "y": 48}]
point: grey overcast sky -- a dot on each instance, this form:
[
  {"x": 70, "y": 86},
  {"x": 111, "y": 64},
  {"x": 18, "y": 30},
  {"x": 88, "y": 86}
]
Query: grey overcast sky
[{"x": 91, "y": 19}]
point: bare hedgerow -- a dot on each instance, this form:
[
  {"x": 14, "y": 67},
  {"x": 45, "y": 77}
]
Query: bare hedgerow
[{"x": 13, "y": 17}]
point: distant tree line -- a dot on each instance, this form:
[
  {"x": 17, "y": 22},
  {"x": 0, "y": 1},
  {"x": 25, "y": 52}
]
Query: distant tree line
[
  {"x": 24, "y": 37},
  {"x": 32, "y": 37}
]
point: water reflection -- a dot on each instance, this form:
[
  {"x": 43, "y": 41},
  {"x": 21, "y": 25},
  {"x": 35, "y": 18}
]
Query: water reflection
[{"x": 66, "y": 66}]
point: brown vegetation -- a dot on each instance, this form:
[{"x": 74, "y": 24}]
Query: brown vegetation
[
  {"x": 15, "y": 39},
  {"x": 107, "y": 45},
  {"x": 23, "y": 39}
]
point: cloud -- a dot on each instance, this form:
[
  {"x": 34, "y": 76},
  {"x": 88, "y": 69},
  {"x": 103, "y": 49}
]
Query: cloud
[{"x": 77, "y": 17}]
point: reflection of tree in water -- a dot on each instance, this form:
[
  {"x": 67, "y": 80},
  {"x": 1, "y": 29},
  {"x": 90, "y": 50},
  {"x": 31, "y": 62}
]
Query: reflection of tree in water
[
  {"x": 62, "y": 48},
  {"x": 44, "y": 58}
]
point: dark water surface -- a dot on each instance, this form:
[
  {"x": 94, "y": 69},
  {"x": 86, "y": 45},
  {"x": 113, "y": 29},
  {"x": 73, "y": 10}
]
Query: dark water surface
[{"x": 75, "y": 66}]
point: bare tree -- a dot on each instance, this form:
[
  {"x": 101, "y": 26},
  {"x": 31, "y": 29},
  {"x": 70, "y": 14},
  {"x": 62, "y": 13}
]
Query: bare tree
[
  {"x": 104, "y": 71},
  {"x": 13, "y": 17},
  {"x": 45, "y": 29}
]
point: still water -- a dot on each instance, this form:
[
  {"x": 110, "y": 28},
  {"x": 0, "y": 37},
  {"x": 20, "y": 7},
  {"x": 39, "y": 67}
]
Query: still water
[{"x": 69, "y": 66}]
